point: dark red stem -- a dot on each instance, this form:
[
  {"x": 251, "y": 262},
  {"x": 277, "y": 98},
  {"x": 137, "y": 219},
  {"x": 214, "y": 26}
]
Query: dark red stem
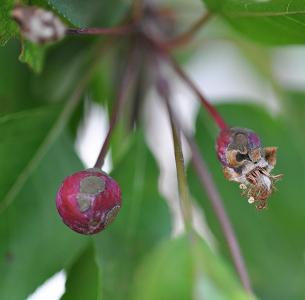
[
  {"x": 121, "y": 97},
  {"x": 207, "y": 182},
  {"x": 163, "y": 52},
  {"x": 120, "y": 30},
  {"x": 208, "y": 106}
]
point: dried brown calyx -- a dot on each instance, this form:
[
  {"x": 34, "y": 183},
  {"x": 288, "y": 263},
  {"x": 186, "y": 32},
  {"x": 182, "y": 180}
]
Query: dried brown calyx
[
  {"x": 248, "y": 163},
  {"x": 38, "y": 25}
]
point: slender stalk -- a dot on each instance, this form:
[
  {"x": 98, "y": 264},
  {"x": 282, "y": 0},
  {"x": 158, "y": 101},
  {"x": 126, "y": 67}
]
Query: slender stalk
[
  {"x": 208, "y": 184},
  {"x": 181, "y": 177},
  {"x": 120, "y": 30},
  {"x": 186, "y": 207},
  {"x": 208, "y": 106},
  {"x": 121, "y": 97},
  {"x": 163, "y": 52},
  {"x": 216, "y": 201},
  {"x": 188, "y": 35}
]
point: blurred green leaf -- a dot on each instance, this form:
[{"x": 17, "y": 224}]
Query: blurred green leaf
[
  {"x": 181, "y": 269},
  {"x": 294, "y": 111},
  {"x": 92, "y": 12},
  {"x": 141, "y": 224},
  {"x": 102, "y": 87},
  {"x": 15, "y": 81},
  {"x": 271, "y": 240},
  {"x": 33, "y": 55},
  {"x": 21, "y": 131},
  {"x": 58, "y": 80},
  {"x": 83, "y": 280},
  {"x": 34, "y": 243},
  {"x": 8, "y": 28},
  {"x": 21, "y": 89},
  {"x": 271, "y": 22}
]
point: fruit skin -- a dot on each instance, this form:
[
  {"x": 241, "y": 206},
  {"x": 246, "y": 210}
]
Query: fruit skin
[
  {"x": 88, "y": 201},
  {"x": 228, "y": 140}
]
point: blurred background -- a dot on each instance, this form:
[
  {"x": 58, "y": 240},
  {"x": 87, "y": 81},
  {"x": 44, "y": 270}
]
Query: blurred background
[{"x": 254, "y": 84}]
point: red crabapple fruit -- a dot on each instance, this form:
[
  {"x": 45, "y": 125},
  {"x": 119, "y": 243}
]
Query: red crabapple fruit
[{"x": 88, "y": 201}]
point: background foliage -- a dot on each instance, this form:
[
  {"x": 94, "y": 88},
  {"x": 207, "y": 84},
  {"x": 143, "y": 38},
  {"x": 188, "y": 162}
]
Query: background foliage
[{"x": 137, "y": 258}]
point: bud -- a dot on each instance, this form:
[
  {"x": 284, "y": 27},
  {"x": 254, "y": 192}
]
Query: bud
[
  {"x": 38, "y": 25},
  {"x": 245, "y": 161}
]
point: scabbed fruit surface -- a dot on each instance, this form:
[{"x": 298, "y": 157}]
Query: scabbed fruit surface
[{"x": 88, "y": 201}]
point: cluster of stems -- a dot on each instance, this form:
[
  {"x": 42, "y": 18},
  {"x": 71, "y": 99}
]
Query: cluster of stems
[{"x": 160, "y": 52}]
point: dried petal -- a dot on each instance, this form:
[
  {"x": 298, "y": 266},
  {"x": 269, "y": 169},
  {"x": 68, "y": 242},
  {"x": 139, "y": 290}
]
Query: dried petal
[
  {"x": 38, "y": 25},
  {"x": 245, "y": 161}
]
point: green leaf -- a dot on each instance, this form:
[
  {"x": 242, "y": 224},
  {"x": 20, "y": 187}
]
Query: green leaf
[
  {"x": 271, "y": 240},
  {"x": 141, "y": 224},
  {"x": 34, "y": 242},
  {"x": 33, "y": 55},
  {"x": 83, "y": 280},
  {"x": 271, "y": 22},
  {"x": 88, "y": 13},
  {"x": 180, "y": 269},
  {"x": 58, "y": 80},
  {"x": 8, "y": 28},
  {"x": 21, "y": 131},
  {"x": 15, "y": 81}
]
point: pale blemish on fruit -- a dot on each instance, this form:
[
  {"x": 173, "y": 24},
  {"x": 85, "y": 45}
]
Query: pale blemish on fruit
[
  {"x": 90, "y": 186},
  {"x": 111, "y": 214}
]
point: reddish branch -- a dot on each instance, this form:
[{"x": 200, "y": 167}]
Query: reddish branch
[
  {"x": 120, "y": 30},
  {"x": 209, "y": 107},
  {"x": 163, "y": 52},
  {"x": 209, "y": 186}
]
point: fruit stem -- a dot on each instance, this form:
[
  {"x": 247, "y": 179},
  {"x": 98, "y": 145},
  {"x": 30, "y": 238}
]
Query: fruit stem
[
  {"x": 185, "y": 202},
  {"x": 161, "y": 51},
  {"x": 209, "y": 186},
  {"x": 186, "y": 36},
  {"x": 119, "y": 30},
  {"x": 208, "y": 106},
  {"x": 120, "y": 100}
]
